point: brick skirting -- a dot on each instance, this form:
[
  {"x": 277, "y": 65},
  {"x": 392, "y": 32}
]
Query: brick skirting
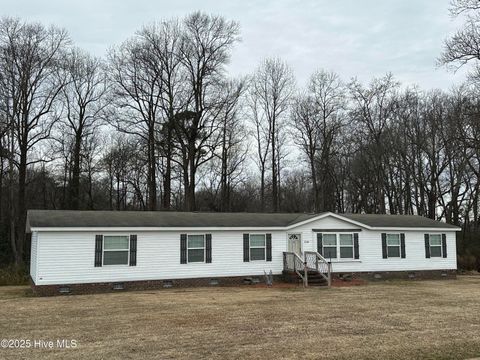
[
  {"x": 92, "y": 288},
  {"x": 291, "y": 277},
  {"x": 104, "y": 287},
  {"x": 406, "y": 275}
]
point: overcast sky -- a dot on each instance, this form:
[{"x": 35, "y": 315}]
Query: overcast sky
[{"x": 364, "y": 38}]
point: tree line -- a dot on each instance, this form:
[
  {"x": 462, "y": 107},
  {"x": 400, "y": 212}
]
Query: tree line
[{"x": 159, "y": 124}]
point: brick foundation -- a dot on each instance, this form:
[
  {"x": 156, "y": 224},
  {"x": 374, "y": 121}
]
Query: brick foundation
[
  {"x": 405, "y": 275},
  {"x": 291, "y": 277},
  {"x": 94, "y": 288}
]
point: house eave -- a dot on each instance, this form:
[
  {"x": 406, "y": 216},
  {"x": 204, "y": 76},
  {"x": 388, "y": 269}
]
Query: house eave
[{"x": 197, "y": 229}]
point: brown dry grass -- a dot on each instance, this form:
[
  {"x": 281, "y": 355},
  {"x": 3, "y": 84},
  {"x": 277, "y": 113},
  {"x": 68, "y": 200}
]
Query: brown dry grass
[{"x": 397, "y": 320}]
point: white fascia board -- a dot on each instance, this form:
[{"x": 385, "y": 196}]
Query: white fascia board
[
  {"x": 324, "y": 215},
  {"x": 130, "y": 228},
  {"x": 414, "y": 229},
  {"x": 197, "y": 229}
]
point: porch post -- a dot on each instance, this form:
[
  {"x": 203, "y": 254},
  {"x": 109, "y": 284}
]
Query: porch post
[{"x": 305, "y": 272}]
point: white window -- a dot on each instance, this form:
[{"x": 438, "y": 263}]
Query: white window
[
  {"x": 330, "y": 246},
  {"x": 346, "y": 246},
  {"x": 338, "y": 246},
  {"x": 115, "y": 250},
  {"x": 257, "y": 246},
  {"x": 393, "y": 245},
  {"x": 435, "y": 245},
  {"x": 196, "y": 248}
]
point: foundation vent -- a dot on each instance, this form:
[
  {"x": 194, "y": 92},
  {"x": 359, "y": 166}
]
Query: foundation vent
[
  {"x": 118, "y": 286},
  {"x": 64, "y": 290}
]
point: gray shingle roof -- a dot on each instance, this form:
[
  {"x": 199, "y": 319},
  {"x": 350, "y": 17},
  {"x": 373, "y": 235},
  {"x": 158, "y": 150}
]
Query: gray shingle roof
[
  {"x": 71, "y": 218},
  {"x": 382, "y": 220}
]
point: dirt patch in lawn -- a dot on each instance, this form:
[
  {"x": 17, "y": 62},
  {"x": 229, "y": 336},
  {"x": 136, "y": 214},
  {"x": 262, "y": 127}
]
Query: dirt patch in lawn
[{"x": 426, "y": 319}]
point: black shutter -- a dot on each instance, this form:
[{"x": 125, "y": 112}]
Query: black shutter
[
  {"x": 208, "y": 248},
  {"x": 427, "y": 246},
  {"x": 320, "y": 243},
  {"x": 133, "y": 250},
  {"x": 402, "y": 245},
  {"x": 355, "y": 246},
  {"x": 444, "y": 245},
  {"x": 98, "y": 250},
  {"x": 183, "y": 248},
  {"x": 246, "y": 247},
  {"x": 384, "y": 245},
  {"x": 269, "y": 247}
]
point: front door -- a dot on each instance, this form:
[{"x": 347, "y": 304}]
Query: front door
[{"x": 295, "y": 243}]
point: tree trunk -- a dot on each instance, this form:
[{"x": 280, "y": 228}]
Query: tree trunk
[
  {"x": 13, "y": 242},
  {"x": 75, "y": 180},
  {"x": 224, "y": 169},
  {"x": 316, "y": 205},
  {"x": 1, "y": 183},
  {"x": 190, "y": 191},
  {"x": 21, "y": 206},
  {"x": 152, "y": 177},
  {"x": 167, "y": 179},
  {"x": 262, "y": 188},
  {"x": 274, "y": 171}
]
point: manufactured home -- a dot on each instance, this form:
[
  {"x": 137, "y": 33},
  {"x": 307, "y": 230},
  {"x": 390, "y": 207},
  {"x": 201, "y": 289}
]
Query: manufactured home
[{"x": 89, "y": 251}]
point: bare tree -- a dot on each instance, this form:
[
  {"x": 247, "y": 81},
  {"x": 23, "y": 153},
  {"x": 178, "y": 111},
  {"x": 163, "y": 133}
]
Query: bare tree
[
  {"x": 165, "y": 40},
  {"x": 32, "y": 57},
  {"x": 205, "y": 50},
  {"x": 84, "y": 97},
  {"x": 305, "y": 127},
  {"x": 464, "y": 47},
  {"x": 272, "y": 87},
  {"x": 328, "y": 93},
  {"x": 135, "y": 76},
  {"x": 233, "y": 151},
  {"x": 372, "y": 110}
]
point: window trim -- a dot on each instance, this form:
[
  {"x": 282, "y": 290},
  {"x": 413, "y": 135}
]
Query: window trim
[
  {"x": 257, "y": 247},
  {"x": 338, "y": 247},
  {"x": 399, "y": 245},
  {"x": 440, "y": 245},
  {"x": 103, "y": 249},
  {"x": 330, "y": 246},
  {"x": 196, "y": 248},
  {"x": 349, "y": 246}
]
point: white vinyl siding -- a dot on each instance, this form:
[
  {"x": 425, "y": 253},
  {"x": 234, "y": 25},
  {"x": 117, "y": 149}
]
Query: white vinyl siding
[
  {"x": 370, "y": 249},
  {"x": 67, "y": 257},
  {"x": 34, "y": 256}
]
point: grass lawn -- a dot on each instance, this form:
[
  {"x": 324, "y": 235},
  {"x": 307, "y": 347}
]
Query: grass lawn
[{"x": 396, "y": 320}]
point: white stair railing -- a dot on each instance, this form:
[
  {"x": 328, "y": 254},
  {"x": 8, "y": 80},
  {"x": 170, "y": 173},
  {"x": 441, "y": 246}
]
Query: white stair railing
[
  {"x": 316, "y": 262},
  {"x": 293, "y": 262}
]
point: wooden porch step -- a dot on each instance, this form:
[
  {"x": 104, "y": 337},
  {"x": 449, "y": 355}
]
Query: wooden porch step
[{"x": 314, "y": 278}]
